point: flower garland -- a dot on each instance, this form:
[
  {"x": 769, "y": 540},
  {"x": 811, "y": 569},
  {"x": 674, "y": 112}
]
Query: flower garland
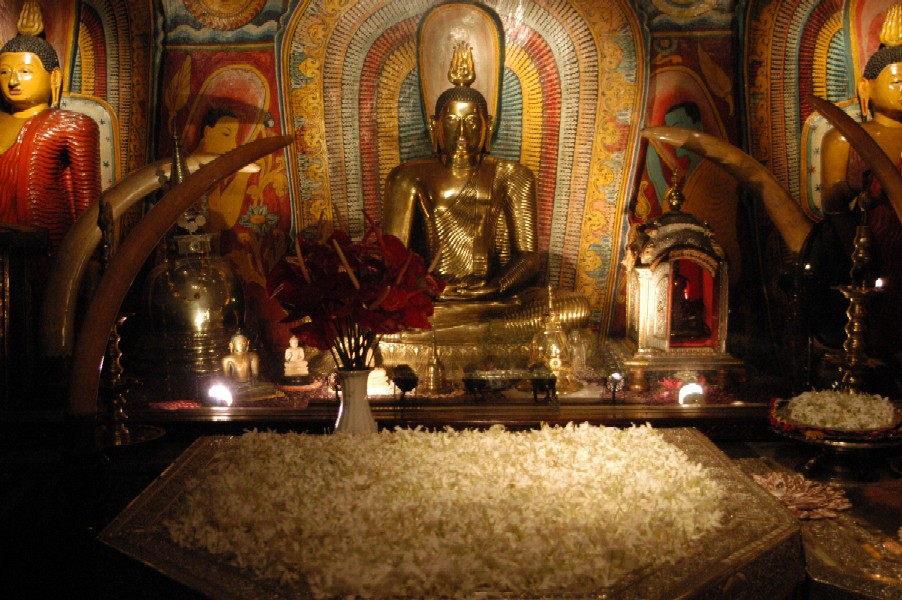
[{"x": 451, "y": 513}]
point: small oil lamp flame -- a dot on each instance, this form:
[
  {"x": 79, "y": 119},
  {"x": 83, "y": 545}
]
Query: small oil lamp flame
[
  {"x": 221, "y": 394},
  {"x": 692, "y": 393}
]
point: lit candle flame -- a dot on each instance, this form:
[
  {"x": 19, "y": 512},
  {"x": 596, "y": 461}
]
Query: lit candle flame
[
  {"x": 220, "y": 393},
  {"x": 690, "y": 391}
]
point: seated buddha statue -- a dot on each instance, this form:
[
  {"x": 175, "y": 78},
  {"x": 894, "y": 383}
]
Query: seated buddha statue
[
  {"x": 240, "y": 364},
  {"x": 881, "y": 108},
  {"x": 295, "y": 360},
  {"x": 49, "y": 157},
  {"x": 850, "y": 194},
  {"x": 474, "y": 218}
]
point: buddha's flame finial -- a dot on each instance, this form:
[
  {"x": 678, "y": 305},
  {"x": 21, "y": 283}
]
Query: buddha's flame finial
[
  {"x": 891, "y": 32},
  {"x": 461, "y": 72},
  {"x": 31, "y": 22}
]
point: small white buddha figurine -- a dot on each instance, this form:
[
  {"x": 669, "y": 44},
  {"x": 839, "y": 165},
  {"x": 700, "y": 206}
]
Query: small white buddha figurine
[
  {"x": 377, "y": 383},
  {"x": 239, "y": 364},
  {"x": 295, "y": 363}
]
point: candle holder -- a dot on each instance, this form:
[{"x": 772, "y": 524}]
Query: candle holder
[
  {"x": 615, "y": 383},
  {"x": 404, "y": 377},
  {"x": 113, "y": 386},
  {"x": 854, "y": 360}
]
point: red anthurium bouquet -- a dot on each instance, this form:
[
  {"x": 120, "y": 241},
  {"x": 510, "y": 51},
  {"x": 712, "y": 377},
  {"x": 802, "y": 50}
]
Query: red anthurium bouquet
[{"x": 347, "y": 294}]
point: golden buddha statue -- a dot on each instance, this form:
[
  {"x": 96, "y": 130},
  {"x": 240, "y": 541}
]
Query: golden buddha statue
[
  {"x": 474, "y": 218},
  {"x": 880, "y": 96},
  {"x": 42, "y": 146},
  {"x": 240, "y": 364}
]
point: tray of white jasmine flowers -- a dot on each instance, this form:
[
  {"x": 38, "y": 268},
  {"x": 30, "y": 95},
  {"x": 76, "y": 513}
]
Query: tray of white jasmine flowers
[
  {"x": 570, "y": 511},
  {"x": 839, "y": 415}
]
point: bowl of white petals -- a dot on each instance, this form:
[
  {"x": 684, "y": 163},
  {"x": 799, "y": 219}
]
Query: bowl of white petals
[{"x": 837, "y": 414}]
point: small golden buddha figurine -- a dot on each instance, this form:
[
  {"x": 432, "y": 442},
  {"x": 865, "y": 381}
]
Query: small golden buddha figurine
[
  {"x": 474, "y": 217},
  {"x": 49, "y": 158},
  {"x": 240, "y": 365}
]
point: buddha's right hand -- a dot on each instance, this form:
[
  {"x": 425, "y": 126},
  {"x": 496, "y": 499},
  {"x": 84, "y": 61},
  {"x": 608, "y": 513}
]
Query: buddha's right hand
[{"x": 469, "y": 291}]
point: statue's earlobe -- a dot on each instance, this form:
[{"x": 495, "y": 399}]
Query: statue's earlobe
[
  {"x": 489, "y": 132},
  {"x": 56, "y": 86},
  {"x": 864, "y": 97},
  {"x": 433, "y": 133}
]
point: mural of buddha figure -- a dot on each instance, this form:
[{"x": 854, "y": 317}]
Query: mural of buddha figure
[
  {"x": 226, "y": 199},
  {"x": 473, "y": 216},
  {"x": 49, "y": 158}
]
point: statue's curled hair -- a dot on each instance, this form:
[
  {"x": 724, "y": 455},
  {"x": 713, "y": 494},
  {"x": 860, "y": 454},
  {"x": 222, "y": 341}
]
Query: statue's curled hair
[
  {"x": 885, "y": 56},
  {"x": 461, "y": 93},
  {"x": 37, "y": 46}
]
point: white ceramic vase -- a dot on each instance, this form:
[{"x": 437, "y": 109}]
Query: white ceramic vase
[{"x": 354, "y": 414}]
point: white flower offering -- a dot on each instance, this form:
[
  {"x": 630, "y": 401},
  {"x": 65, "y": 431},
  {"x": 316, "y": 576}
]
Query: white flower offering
[
  {"x": 411, "y": 513},
  {"x": 842, "y": 411}
]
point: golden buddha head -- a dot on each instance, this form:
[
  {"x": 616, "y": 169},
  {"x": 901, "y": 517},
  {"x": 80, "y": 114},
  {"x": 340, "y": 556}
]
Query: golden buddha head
[
  {"x": 880, "y": 87},
  {"x": 30, "y": 76},
  {"x": 461, "y": 124},
  {"x": 239, "y": 344}
]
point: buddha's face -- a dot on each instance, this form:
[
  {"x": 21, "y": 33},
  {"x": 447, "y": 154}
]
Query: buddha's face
[
  {"x": 220, "y": 138},
  {"x": 24, "y": 81},
  {"x": 885, "y": 92},
  {"x": 461, "y": 129},
  {"x": 239, "y": 344}
]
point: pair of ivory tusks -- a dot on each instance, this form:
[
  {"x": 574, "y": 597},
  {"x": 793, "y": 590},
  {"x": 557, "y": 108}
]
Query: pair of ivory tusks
[
  {"x": 788, "y": 218},
  {"x": 98, "y": 321}
]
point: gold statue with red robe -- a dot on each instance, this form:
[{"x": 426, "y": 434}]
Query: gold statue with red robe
[{"x": 49, "y": 157}]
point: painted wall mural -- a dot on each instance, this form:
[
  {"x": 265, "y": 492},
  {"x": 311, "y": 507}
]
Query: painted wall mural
[
  {"x": 581, "y": 78},
  {"x": 796, "y": 49},
  {"x": 217, "y": 95}
]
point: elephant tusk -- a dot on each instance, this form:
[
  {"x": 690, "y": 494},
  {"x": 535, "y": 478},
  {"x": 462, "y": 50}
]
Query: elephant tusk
[
  {"x": 87, "y": 360},
  {"x": 61, "y": 292},
  {"x": 786, "y": 215}
]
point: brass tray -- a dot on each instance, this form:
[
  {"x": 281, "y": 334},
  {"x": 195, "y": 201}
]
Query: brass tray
[
  {"x": 757, "y": 552},
  {"x": 851, "y": 555},
  {"x": 782, "y": 423}
]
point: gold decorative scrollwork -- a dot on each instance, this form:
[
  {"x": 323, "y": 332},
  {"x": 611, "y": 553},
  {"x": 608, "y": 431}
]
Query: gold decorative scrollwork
[
  {"x": 684, "y": 8},
  {"x": 225, "y": 14}
]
